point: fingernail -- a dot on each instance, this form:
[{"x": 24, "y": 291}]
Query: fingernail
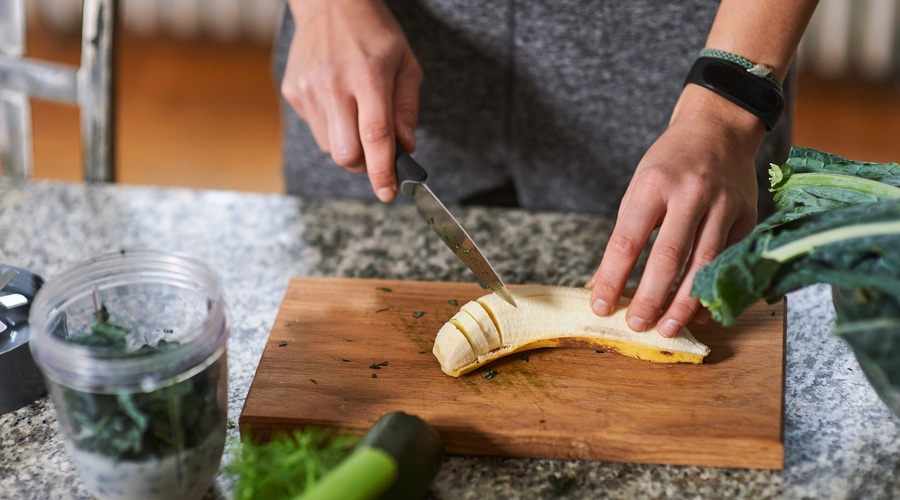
[
  {"x": 601, "y": 307},
  {"x": 637, "y": 324},
  {"x": 386, "y": 194},
  {"x": 670, "y": 328}
]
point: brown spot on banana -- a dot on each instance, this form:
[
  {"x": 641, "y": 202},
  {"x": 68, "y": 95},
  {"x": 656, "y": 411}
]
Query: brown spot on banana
[{"x": 547, "y": 316}]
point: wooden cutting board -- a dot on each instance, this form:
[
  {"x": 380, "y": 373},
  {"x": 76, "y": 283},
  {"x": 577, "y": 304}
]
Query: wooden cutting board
[{"x": 563, "y": 403}]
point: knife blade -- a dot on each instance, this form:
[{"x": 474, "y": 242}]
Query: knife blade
[
  {"x": 7, "y": 277},
  {"x": 412, "y": 179}
]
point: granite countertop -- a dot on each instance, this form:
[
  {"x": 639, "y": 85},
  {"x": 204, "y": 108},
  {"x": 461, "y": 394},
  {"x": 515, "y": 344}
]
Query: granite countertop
[{"x": 840, "y": 440}]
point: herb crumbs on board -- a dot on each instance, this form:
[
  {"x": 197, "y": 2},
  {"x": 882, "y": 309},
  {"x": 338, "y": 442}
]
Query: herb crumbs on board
[
  {"x": 230, "y": 424},
  {"x": 383, "y": 289},
  {"x": 375, "y": 366},
  {"x": 599, "y": 351},
  {"x": 453, "y": 302},
  {"x": 383, "y": 309},
  {"x": 491, "y": 374},
  {"x": 282, "y": 344},
  {"x": 418, "y": 314},
  {"x": 374, "y": 375},
  {"x": 287, "y": 323},
  {"x": 424, "y": 352},
  {"x": 524, "y": 358},
  {"x": 345, "y": 360},
  {"x": 383, "y": 363},
  {"x": 313, "y": 381}
]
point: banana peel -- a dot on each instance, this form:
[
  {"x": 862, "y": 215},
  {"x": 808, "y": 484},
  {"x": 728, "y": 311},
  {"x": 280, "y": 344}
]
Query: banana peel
[{"x": 488, "y": 328}]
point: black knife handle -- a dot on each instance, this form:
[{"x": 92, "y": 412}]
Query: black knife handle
[{"x": 409, "y": 173}]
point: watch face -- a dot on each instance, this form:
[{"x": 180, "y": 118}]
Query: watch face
[{"x": 750, "y": 89}]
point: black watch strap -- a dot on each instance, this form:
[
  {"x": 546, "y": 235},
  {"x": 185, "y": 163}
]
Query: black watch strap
[{"x": 733, "y": 82}]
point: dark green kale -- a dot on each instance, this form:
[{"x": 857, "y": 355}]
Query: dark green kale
[
  {"x": 811, "y": 181},
  {"x": 847, "y": 247},
  {"x": 838, "y": 223},
  {"x": 138, "y": 425},
  {"x": 868, "y": 319}
]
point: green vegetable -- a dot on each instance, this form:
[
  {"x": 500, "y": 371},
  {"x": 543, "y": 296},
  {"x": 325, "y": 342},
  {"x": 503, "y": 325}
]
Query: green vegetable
[
  {"x": 848, "y": 247},
  {"x": 869, "y": 321},
  {"x": 838, "y": 223},
  {"x": 811, "y": 181},
  {"x": 287, "y": 465},
  {"x": 397, "y": 459},
  {"x": 140, "y": 425}
]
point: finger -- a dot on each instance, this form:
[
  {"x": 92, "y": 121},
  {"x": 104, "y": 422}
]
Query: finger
[
  {"x": 406, "y": 101},
  {"x": 317, "y": 120},
  {"x": 702, "y": 317},
  {"x": 376, "y": 131},
  {"x": 709, "y": 243},
  {"x": 343, "y": 134},
  {"x": 625, "y": 244},
  {"x": 300, "y": 95},
  {"x": 667, "y": 259}
]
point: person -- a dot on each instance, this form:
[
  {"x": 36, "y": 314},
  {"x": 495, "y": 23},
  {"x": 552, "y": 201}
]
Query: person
[{"x": 566, "y": 105}]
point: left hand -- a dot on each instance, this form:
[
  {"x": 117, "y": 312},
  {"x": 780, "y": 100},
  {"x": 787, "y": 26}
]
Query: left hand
[{"x": 697, "y": 184}]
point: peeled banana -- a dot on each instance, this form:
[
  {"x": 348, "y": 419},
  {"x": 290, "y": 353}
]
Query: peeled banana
[{"x": 489, "y": 328}]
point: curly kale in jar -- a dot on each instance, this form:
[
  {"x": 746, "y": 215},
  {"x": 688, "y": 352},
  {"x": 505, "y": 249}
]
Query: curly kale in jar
[{"x": 132, "y": 346}]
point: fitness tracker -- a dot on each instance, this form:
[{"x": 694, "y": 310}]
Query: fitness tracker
[{"x": 736, "y": 83}]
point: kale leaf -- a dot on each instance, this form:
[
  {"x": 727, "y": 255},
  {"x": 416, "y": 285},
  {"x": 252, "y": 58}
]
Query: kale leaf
[
  {"x": 838, "y": 223},
  {"x": 811, "y": 181},
  {"x": 128, "y": 425},
  {"x": 847, "y": 247},
  {"x": 868, "y": 319}
]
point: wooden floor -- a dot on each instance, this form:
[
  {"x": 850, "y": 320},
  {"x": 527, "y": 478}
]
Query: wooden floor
[{"x": 206, "y": 114}]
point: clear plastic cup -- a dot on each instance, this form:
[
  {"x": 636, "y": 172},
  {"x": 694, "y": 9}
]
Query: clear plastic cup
[{"x": 133, "y": 348}]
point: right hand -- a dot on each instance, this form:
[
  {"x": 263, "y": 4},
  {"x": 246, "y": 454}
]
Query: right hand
[{"x": 352, "y": 76}]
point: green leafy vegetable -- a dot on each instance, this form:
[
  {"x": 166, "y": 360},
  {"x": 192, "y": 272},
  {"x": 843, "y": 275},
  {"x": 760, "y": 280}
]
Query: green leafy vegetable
[
  {"x": 868, "y": 319},
  {"x": 139, "y": 425},
  {"x": 838, "y": 223},
  {"x": 848, "y": 247},
  {"x": 288, "y": 465},
  {"x": 811, "y": 181}
]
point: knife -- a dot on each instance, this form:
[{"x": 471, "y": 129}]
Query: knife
[{"x": 412, "y": 183}]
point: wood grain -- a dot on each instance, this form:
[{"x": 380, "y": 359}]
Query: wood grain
[{"x": 563, "y": 403}]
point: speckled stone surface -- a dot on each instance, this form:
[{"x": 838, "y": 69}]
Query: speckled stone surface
[{"x": 840, "y": 441}]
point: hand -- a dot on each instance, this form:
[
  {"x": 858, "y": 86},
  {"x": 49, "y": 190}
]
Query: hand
[
  {"x": 353, "y": 78},
  {"x": 697, "y": 183}
]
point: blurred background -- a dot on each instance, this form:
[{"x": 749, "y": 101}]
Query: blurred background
[{"x": 197, "y": 105}]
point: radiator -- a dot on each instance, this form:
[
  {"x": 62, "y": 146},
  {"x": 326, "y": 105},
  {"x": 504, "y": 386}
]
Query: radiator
[
  {"x": 853, "y": 37},
  {"x": 254, "y": 20}
]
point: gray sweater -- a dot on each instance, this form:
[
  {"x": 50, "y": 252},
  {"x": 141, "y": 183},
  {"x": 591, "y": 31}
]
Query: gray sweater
[{"x": 544, "y": 104}]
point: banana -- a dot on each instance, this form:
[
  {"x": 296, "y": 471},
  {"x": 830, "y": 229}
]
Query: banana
[{"x": 489, "y": 328}]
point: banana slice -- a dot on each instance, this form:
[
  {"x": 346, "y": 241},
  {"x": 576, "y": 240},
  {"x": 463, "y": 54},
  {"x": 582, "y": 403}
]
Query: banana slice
[{"x": 489, "y": 328}]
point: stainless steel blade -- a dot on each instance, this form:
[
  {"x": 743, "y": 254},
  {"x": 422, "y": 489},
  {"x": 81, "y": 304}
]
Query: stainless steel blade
[
  {"x": 7, "y": 277},
  {"x": 454, "y": 236}
]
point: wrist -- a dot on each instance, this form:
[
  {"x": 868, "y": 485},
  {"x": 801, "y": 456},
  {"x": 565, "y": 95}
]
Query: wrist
[{"x": 699, "y": 107}]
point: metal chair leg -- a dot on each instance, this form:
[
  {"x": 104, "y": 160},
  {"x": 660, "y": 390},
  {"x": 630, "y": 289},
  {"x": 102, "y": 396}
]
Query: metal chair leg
[
  {"x": 15, "y": 111},
  {"x": 90, "y": 86},
  {"x": 96, "y": 92}
]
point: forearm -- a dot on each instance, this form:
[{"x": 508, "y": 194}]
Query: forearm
[{"x": 763, "y": 31}]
